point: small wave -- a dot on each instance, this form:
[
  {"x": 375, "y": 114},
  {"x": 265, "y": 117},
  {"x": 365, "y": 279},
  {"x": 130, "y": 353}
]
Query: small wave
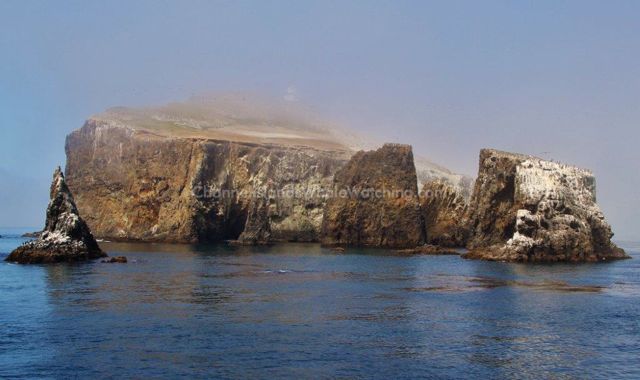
[{"x": 279, "y": 271}]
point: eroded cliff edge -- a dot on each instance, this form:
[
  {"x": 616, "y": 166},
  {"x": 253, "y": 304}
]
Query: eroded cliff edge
[{"x": 527, "y": 209}]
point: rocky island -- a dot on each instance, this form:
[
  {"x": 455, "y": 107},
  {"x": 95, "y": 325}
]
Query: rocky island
[
  {"x": 527, "y": 209},
  {"x": 65, "y": 238},
  {"x": 202, "y": 171},
  {"x": 222, "y": 170}
]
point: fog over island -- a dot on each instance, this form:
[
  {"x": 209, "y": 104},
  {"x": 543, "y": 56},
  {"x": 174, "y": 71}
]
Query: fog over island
[{"x": 556, "y": 80}]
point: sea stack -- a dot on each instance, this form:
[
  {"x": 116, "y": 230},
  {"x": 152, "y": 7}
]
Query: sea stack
[
  {"x": 527, "y": 209},
  {"x": 65, "y": 238},
  {"x": 375, "y": 201}
]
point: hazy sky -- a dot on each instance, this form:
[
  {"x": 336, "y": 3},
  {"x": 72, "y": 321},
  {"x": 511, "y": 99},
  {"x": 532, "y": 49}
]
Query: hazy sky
[{"x": 559, "y": 79}]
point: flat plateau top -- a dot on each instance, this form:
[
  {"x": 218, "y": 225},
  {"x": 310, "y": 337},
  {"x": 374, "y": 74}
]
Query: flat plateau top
[{"x": 233, "y": 119}]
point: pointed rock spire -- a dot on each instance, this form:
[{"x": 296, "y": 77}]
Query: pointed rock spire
[{"x": 66, "y": 237}]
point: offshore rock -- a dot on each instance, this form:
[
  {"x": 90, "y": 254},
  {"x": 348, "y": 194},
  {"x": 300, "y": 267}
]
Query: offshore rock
[
  {"x": 375, "y": 203},
  {"x": 530, "y": 210},
  {"x": 35, "y": 234},
  {"x": 444, "y": 210},
  {"x": 65, "y": 238}
]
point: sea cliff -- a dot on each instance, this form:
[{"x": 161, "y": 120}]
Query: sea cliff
[
  {"x": 202, "y": 171},
  {"x": 211, "y": 170},
  {"x": 136, "y": 185}
]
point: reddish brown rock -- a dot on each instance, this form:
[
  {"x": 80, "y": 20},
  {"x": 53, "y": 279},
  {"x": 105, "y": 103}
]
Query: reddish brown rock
[
  {"x": 132, "y": 184},
  {"x": 375, "y": 203}
]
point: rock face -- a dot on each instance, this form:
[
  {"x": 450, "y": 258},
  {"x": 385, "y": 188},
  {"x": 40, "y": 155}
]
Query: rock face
[
  {"x": 444, "y": 210},
  {"x": 531, "y": 210},
  {"x": 65, "y": 238},
  {"x": 135, "y": 184},
  {"x": 257, "y": 229},
  {"x": 375, "y": 201}
]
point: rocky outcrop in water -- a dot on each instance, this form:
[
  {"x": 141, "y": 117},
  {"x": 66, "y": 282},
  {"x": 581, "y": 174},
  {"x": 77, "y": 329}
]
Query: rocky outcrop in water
[
  {"x": 531, "y": 210},
  {"x": 189, "y": 172},
  {"x": 444, "y": 210},
  {"x": 35, "y": 234},
  {"x": 65, "y": 238},
  {"x": 186, "y": 172},
  {"x": 375, "y": 203}
]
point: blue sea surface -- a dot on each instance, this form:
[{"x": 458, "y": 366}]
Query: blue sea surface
[{"x": 302, "y": 311}]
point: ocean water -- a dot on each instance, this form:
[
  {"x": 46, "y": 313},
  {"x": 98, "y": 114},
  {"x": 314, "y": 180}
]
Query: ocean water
[{"x": 301, "y": 311}]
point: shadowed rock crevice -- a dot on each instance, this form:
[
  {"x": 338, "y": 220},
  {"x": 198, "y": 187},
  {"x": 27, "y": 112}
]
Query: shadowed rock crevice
[
  {"x": 444, "y": 211},
  {"x": 257, "y": 229}
]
